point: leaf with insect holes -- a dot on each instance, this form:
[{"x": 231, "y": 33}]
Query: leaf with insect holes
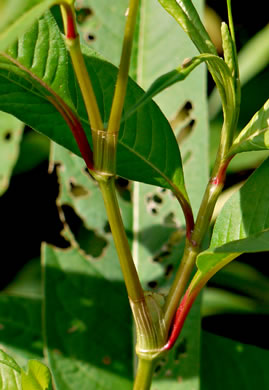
[
  {"x": 10, "y": 137},
  {"x": 241, "y": 227},
  {"x": 36, "y": 68},
  {"x": 255, "y": 135}
]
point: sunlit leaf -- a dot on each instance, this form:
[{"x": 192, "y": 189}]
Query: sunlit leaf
[
  {"x": 17, "y": 16},
  {"x": 37, "y": 376},
  {"x": 255, "y": 135},
  {"x": 242, "y": 226},
  {"x": 10, "y": 137},
  {"x": 10, "y": 373}
]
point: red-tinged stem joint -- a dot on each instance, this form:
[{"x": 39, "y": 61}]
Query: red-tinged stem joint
[
  {"x": 69, "y": 21},
  {"x": 180, "y": 317},
  {"x": 220, "y": 178}
]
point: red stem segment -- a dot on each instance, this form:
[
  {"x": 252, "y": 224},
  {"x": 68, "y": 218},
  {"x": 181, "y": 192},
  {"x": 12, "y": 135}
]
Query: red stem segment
[{"x": 180, "y": 317}]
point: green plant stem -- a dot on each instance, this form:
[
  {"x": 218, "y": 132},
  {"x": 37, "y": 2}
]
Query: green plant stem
[
  {"x": 85, "y": 84},
  {"x": 144, "y": 374},
  {"x": 193, "y": 245},
  {"x": 122, "y": 79},
  {"x": 134, "y": 289}
]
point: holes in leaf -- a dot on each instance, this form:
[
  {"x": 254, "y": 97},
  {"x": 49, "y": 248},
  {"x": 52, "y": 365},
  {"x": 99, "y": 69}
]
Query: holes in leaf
[
  {"x": 8, "y": 135},
  {"x": 83, "y": 14},
  {"x": 161, "y": 256},
  {"x": 183, "y": 114},
  {"x": 185, "y": 131},
  {"x": 169, "y": 271},
  {"x": 153, "y": 284},
  {"x": 107, "y": 228},
  {"x": 153, "y": 203},
  {"x": 123, "y": 187},
  {"x": 89, "y": 241},
  {"x": 180, "y": 350},
  {"x": 159, "y": 366},
  {"x": 90, "y": 37},
  {"x": 77, "y": 190}
]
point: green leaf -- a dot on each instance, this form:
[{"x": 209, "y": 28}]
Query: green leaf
[
  {"x": 10, "y": 373},
  {"x": 10, "y": 137},
  {"x": 89, "y": 340},
  {"x": 242, "y": 226},
  {"x": 17, "y": 16},
  {"x": 174, "y": 76},
  {"x": 249, "y": 65},
  {"x": 37, "y": 376},
  {"x": 186, "y": 15},
  {"x": 255, "y": 135},
  {"x": 29, "y": 77},
  {"x": 246, "y": 366},
  {"x": 20, "y": 327}
]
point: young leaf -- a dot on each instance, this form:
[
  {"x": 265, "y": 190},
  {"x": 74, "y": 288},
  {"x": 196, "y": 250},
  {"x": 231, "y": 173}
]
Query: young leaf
[
  {"x": 186, "y": 15},
  {"x": 242, "y": 226},
  {"x": 147, "y": 149},
  {"x": 37, "y": 376},
  {"x": 180, "y": 74},
  {"x": 10, "y": 137},
  {"x": 17, "y": 16},
  {"x": 255, "y": 135},
  {"x": 10, "y": 373}
]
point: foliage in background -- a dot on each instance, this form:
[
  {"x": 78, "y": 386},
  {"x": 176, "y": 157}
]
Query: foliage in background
[{"x": 83, "y": 284}]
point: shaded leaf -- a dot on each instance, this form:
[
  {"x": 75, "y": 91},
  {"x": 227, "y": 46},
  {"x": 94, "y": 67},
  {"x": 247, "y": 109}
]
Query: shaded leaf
[
  {"x": 10, "y": 373},
  {"x": 37, "y": 376},
  {"x": 10, "y": 137},
  {"x": 20, "y": 327},
  {"x": 255, "y": 135},
  {"x": 89, "y": 341},
  {"x": 245, "y": 366}
]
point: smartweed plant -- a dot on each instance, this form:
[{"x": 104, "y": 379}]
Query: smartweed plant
[{"x": 62, "y": 88}]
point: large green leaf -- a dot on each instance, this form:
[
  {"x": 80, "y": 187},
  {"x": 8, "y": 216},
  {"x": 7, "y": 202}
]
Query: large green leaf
[
  {"x": 241, "y": 367},
  {"x": 17, "y": 16},
  {"x": 10, "y": 373},
  {"x": 37, "y": 67},
  {"x": 242, "y": 226},
  {"x": 255, "y": 135},
  {"x": 89, "y": 340},
  {"x": 10, "y": 136}
]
